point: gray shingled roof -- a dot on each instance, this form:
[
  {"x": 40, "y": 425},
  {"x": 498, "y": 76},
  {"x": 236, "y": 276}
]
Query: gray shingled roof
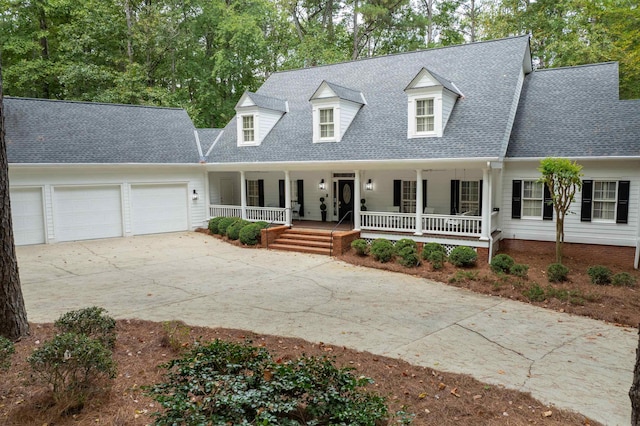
[
  {"x": 48, "y": 131},
  {"x": 346, "y": 93},
  {"x": 268, "y": 102},
  {"x": 487, "y": 73},
  {"x": 207, "y": 138},
  {"x": 445, "y": 83},
  {"x": 575, "y": 112}
]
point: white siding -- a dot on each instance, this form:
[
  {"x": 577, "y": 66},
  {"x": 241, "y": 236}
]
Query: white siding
[
  {"x": 27, "y": 213},
  {"x": 448, "y": 101},
  {"x": 268, "y": 120},
  {"x": 348, "y": 111},
  {"x": 159, "y": 208},
  {"x": 575, "y": 231}
]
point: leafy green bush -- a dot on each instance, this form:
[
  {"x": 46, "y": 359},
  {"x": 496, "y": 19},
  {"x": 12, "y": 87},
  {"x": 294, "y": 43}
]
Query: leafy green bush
[
  {"x": 430, "y": 248},
  {"x": 557, "y": 272},
  {"x": 250, "y": 234},
  {"x": 437, "y": 259},
  {"x": 360, "y": 246},
  {"x": 224, "y": 224},
  {"x": 502, "y": 263},
  {"x": 519, "y": 270},
  {"x": 92, "y": 322},
  {"x": 74, "y": 365},
  {"x": 382, "y": 250},
  {"x": 7, "y": 349},
  {"x": 229, "y": 383},
  {"x": 408, "y": 256},
  {"x": 463, "y": 256},
  {"x": 233, "y": 230},
  {"x": 406, "y": 242},
  {"x": 599, "y": 274},
  {"x": 624, "y": 279},
  {"x": 535, "y": 293},
  {"x": 262, "y": 224},
  {"x": 213, "y": 224}
]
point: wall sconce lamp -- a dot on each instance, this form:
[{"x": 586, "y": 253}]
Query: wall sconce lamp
[
  {"x": 195, "y": 195},
  {"x": 369, "y": 185},
  {"x": 322, "y": 186}
]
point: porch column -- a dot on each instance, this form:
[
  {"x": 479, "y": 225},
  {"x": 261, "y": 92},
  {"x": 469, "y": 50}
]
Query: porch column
[
  {"x": 356, "y": 201},
  {"x": 287, "y": 197},
  {"x": 419, "y": 202},
  {"x": 486, "y": 204},
  {"x": 243, "y": 194}
]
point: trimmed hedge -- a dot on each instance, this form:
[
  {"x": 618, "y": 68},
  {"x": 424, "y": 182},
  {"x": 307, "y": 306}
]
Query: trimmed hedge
[
  {"x": 463, "y": 256},
  {"x": 382, "y": 250}
]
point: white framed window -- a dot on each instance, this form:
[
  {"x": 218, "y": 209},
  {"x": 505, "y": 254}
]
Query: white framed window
[
  {"x": 470, "y": 196},
  {"x": 604, "y": 200},
  {"x": 248, "y": 129},
  {"x": 408, "y": 200},
  {"x": 253, "y": 193},
  {"x": 425, "y": 117},
  {"x": 326, "y": 123},
  {"x": 532, "y": 198}
]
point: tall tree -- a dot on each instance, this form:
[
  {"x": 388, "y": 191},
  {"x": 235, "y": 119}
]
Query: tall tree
[
  {"x": 562, "y": 177},
  {"x": 13, "y": 315},
  {"x": 634, "y": 392}
]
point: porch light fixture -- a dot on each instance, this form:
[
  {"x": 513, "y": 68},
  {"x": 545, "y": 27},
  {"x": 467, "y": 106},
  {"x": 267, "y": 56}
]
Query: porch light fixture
[
  {"x": 194, "y": 196},
  {"x": 369, "y": 185},
  {"x": 322, "y": 186}
]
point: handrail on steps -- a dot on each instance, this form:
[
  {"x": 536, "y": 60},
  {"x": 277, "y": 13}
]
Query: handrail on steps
[
  {"x": 271, "y": 223},
  {"x": 334, "y": 228}
]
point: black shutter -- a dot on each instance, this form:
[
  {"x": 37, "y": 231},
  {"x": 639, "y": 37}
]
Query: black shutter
[
  {"x": 300, "y": 184},
  {"x": 547, "y": 205},
  {"x": 261, "y": 192},
  {"x": 281, "y": 198},
  {"x": 623, "y": 201},
  {"x": 455, "y": 196},
  {"x": 516, "y": 199},
  {"x": 587, "y": 199},
  {"x": 424, "y": 194},
  {"x": 397, "y": 192},
  {"x": 479, "y": 213}
]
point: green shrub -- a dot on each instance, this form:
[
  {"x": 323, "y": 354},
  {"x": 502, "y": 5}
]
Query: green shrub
[
  {"x": 224, "y": 224},
  {"x": 502, "y": 263},
  {"x": 557, "y": 272},
  {"x": 262, "y": 224},
  {"x": 74, "y": 365},
  {"x": 250, "y": 234},
  {"x": 624, "y": 279},
  {"x": 382, "y": 250},
  {"x": 360, "y": 246},
  {"x": 213, "y": 224},
  {"x": 432, "y": 247},
  {"x": 463, "y": 256},
  {"x": 7, "y": 349},
  {"x": 436, "y": 258},
  {"x": 233, "y": 230},
  {"x": 406, "y": 242},
  {"x": 519, "y": 270},
  {"x": 599, "y": 274},
  {"x": 92, "y": 322},
  {"x": 535, "y": 293},
  {"x": 230, "y": 383},
  {"x": 408, "y": 256}
]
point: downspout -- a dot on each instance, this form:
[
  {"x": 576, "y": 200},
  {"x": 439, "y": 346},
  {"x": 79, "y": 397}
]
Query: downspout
[{"x": 636, "y": 262}]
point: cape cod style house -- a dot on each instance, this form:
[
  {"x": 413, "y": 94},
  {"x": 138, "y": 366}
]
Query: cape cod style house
[{"x": 436, "y": 145}]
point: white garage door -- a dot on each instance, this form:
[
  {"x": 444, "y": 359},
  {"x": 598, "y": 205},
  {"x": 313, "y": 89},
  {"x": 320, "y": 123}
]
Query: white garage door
[
  {"x": 83, "y": 213},
  {"x": 27, "y": 215},
  {"x": 159, "y": 208}
]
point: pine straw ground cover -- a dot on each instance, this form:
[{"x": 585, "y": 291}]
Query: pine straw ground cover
[{"x": 435, "y": 398}]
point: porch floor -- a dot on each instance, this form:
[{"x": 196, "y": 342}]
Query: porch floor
[{"x": 316, "y": 224}]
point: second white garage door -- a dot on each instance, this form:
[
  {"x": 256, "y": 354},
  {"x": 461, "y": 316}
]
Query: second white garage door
[
  {"x": 159, "y": 208},
  {"x": 84, "y": 213},
  {"x": 28, "y": 215}
]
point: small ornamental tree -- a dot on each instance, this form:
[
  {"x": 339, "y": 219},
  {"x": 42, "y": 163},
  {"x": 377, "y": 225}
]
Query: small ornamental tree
[{"x": 562, "y": 177}]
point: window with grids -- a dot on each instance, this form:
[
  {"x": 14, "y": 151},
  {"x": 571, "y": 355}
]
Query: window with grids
[
  {"x": 532, "y": 198},
  {"x": 253, "y": 193},
  {"x": 326, "y": 123},
  {"x": 248, "y": 133},
  {"x": 469, "y": 196},
  {"x": 408, "y": 202},
  {"x": 425, "y": 119},
  {"x": 604, "y": 200}
]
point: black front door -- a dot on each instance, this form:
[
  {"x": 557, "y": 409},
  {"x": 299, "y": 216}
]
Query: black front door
[{"x": 345, "y": 199}]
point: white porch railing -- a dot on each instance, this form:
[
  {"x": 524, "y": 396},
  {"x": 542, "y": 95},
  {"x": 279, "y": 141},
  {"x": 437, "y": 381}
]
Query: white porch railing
[
  {"x": 431, "y": 223},
  {"x": 494, "y": 221},
  {"x": 254, "y": 214}
]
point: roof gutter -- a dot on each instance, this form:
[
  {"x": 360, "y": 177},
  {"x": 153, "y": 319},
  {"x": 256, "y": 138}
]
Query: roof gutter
[
  {"x": 586, "y": 158},
  {"x": 114, "y": 165}
]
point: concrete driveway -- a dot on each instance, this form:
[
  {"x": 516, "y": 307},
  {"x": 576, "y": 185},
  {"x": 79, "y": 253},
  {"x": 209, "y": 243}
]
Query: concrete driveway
[{"x": 572, "y": 362}]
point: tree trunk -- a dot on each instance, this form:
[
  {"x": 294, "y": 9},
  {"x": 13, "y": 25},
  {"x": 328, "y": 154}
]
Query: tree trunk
[
  {"x": 559, "y": 232},
  {"x": 127, "y": 12},
  {"x": 13, "y": 315},
  {"x": 634, "y": 392}
]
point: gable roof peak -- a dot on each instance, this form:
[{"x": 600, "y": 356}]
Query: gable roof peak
[
  {"x": 418, "y": 81},
  {"x": 339, "y": 91},
  {"x": 262, "y": 101}
]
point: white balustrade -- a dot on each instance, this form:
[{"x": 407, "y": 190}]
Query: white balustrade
[
  {"x": 461, "y": 225},
  {"x": 254, "y": 214}
]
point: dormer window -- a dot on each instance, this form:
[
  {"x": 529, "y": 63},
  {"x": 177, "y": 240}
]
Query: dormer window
[
  {"x": 256, "y": 115},
  {"x": 248, "y": 131},
  {"x": 326, "y": 123},
  {"x": 424, "y": 116}
]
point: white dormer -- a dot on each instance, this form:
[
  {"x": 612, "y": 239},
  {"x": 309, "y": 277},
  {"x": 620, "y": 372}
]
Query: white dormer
[
  {"x": 430, "y": 101},
  {"x": 334, "y": 108},
  {"x": 256, "y": 115}
]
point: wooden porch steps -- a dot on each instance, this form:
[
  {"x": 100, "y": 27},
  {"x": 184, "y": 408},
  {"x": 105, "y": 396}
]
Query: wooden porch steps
[{"x": 316, "y": 241}]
